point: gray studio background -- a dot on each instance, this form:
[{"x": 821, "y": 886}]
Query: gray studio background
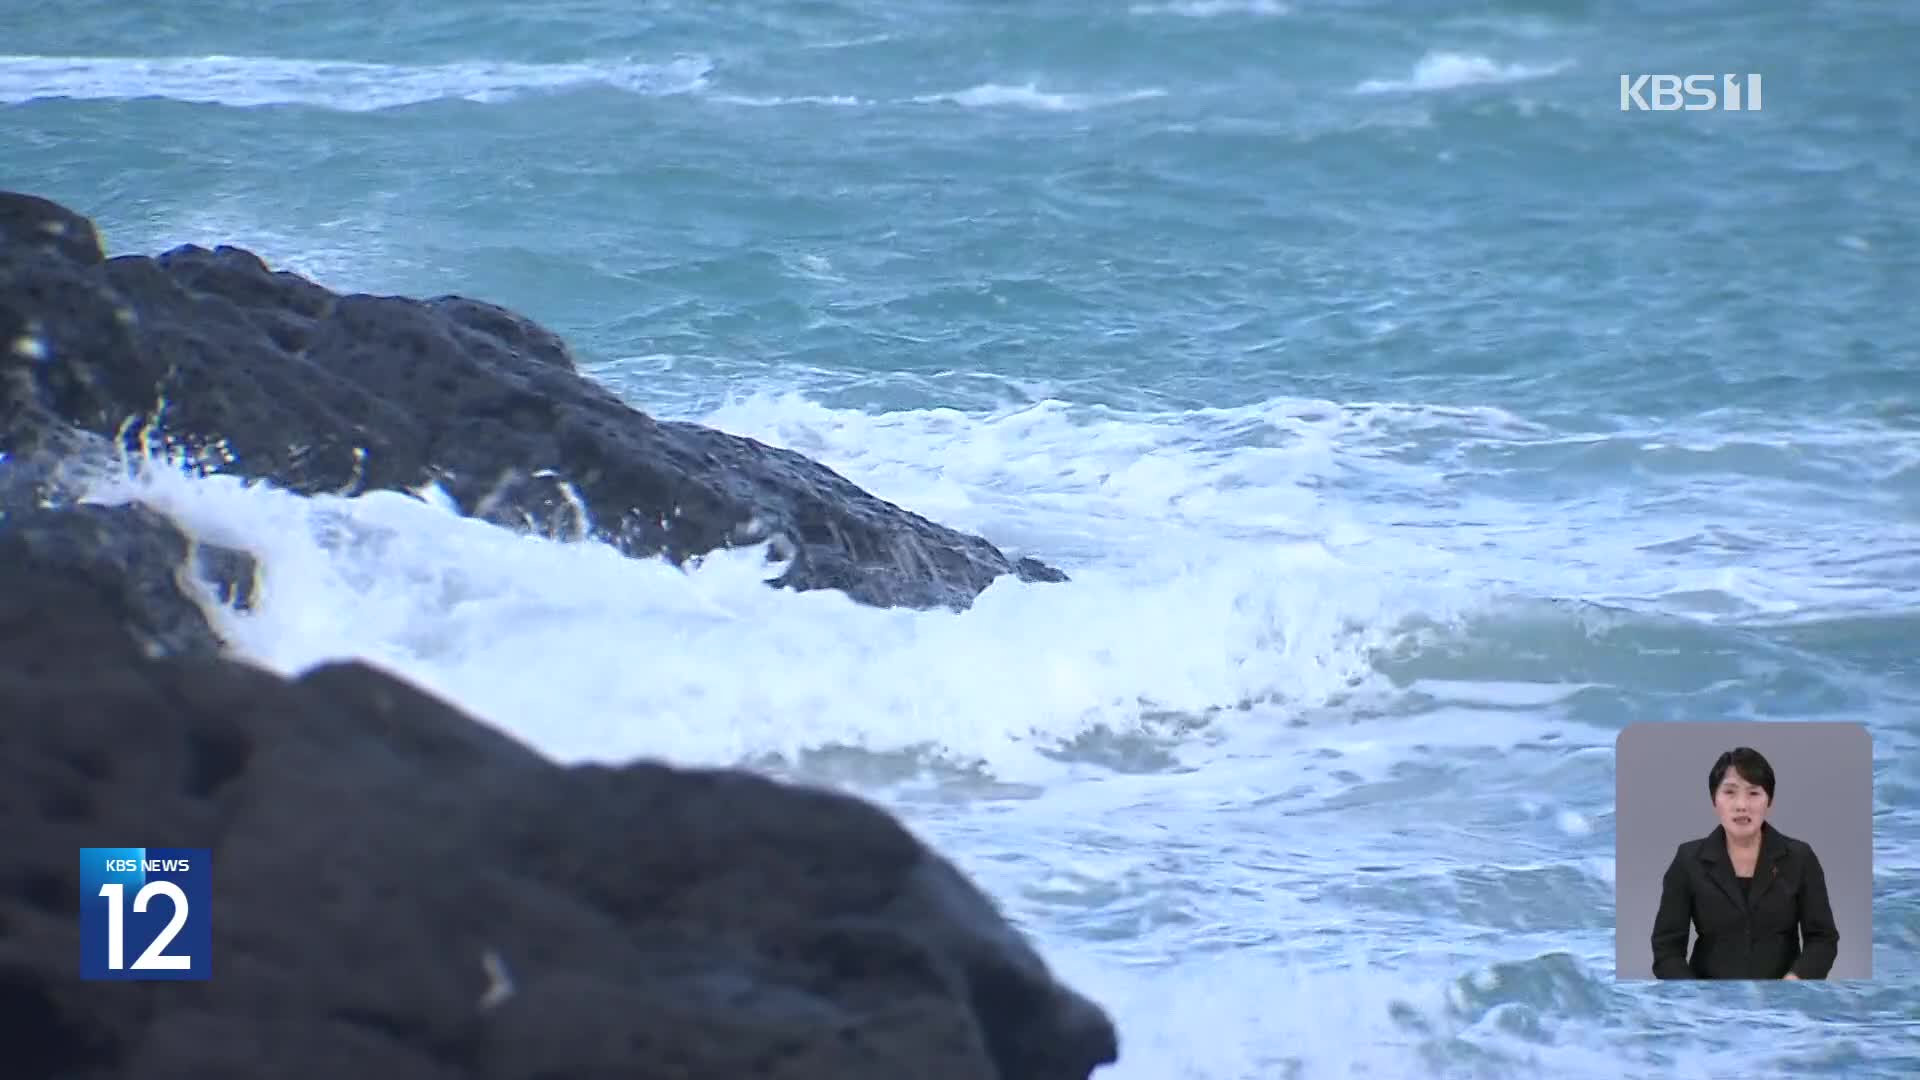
[{"x": 1823, "y": 794}]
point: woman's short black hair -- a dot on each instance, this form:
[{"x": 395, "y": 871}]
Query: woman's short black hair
[{"x": 1749, "y": 763}]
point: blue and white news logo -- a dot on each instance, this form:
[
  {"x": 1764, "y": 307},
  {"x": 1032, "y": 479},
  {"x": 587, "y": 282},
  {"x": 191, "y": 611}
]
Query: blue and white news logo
[{"x": 146, "y": 913}]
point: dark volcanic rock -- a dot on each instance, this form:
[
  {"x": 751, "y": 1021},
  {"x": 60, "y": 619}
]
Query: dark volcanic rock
[
  {"x": 403, "y": 892},
  {"x": 136, "y": 563},
  {"x": 271, "y": 376}
]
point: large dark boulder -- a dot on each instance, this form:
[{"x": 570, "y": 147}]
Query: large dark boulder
[
  {"x": 401, "y": 891},
  {"x": 136, "y": 563},
  {"x": 212, "y": 355}
]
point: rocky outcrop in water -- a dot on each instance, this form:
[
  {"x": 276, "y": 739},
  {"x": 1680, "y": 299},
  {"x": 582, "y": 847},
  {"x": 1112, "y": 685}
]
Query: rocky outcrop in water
[
  {"x": 265, "y": 374},
  {"x": 152, "y": 575},
  {"x": 404, "y": 892},
  {"x": 400, "y": 889}
]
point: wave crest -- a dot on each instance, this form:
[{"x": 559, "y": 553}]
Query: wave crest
[{"x": 347, "y": 86}]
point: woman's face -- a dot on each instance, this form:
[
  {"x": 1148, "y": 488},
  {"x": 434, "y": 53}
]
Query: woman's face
[{"x": 1741, "y": 805}]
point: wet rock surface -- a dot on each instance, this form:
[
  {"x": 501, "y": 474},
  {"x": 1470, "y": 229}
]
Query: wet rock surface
[
  {"x": 400, "y": 890},
  {"x": 210, "y": 354}
]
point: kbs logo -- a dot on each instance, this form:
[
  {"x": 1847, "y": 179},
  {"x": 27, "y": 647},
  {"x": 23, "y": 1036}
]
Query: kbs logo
[
  {"x": 1693, "y": 93},
  {"x": 145, "y": 913}
]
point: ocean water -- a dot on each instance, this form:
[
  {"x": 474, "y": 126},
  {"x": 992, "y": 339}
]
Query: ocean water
[{"x": 1410, "y": 418}]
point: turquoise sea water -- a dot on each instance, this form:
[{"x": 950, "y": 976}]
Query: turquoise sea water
[{"x": 1410, "y": 417}]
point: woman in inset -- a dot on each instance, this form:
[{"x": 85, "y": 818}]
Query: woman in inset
[{"x": 1757, "y": 896}]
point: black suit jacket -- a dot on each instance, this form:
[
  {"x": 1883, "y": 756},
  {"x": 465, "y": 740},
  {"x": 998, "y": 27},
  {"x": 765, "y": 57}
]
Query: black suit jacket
[{"x": 1786, "y": 925}]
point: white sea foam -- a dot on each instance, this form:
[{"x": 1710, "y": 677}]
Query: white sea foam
[
  {"x": 771, "y": 101},
  {"x": 1451, "y": 70},
  {"x": 1244, "y": 1014},
  {"x": 1030, "y": 96},
  {"x": 592, "y": 655},
  {"x": 352, "y": 86},
  {"x": 244, "y": 81},
  {"x": 1263, "y": 556},
  {"x": 1215, "y": 9},
  {"x": 1378, "y": 484},
  {"x": 984, "y": 96}
]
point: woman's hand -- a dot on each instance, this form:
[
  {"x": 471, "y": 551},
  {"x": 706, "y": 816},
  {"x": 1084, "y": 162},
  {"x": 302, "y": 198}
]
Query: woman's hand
[{"x": 1791, "y": 975}]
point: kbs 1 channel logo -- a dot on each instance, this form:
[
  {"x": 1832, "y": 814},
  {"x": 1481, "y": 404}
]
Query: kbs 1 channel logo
[
  {"x": 146, "y": 913},
  {"x": 1690, "y": 93}
]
